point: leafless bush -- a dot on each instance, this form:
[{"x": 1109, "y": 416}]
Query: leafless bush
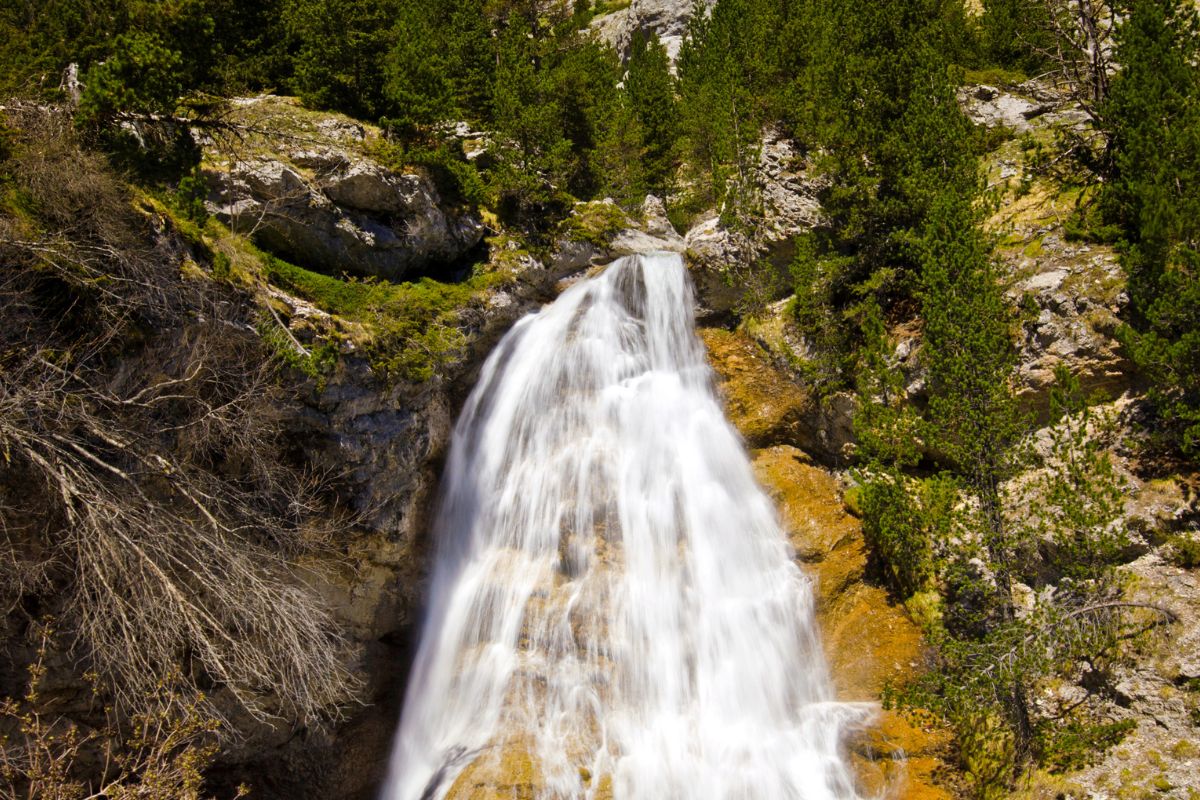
[
  {"x": 145, "y": 471},
  {"x": 1079, "y": 48}
]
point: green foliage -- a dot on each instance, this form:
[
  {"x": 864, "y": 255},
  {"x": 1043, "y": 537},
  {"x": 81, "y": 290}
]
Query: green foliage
[
  {"x": 596, "y": 223},
  {"x": 314, "y": 363},
  {"x": 190, "y": 196},
  {"x": 224, "y": 45},
  {"x": 8, "y": 144},
  {"x": 903, "y": 523},
  {"x": 819, "y": 281},
  {"x": 869, "y": 89},
  {"x": 414, "y": 326},
  {"x": 1080, "y": 743},
  {"x": 1017, "y": 34},
  {"x": 725, "y": 84},
  {"x": 141, "y": 76},
  {"x": 620, "y": 154},
  {"x": 885, "y": 423},
  {"x": 969, "y": 350},
  {"x": 457, "y": 179},
  {"x": 551, "y": 99},
  {"x": 342, "y": 47},
  {"x": 438, "y": 67},
  {"x": 1080, "y": 497},
  {"x": 1086, "y": 224},
  {"x": 1153, "y": 112},
  {"x": 1185, "y": 551},
  {"x": 651, "y": 92}
]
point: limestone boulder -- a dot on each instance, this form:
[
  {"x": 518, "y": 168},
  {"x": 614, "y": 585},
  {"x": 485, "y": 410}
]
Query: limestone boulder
[
  {"x": 600, "y": 232},
  {"x": 307, "y": 186},
  {"x": 1071, "y": 295}
]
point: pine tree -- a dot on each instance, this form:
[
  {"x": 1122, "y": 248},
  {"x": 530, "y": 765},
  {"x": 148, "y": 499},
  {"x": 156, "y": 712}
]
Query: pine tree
[
  {"x": 728, "y": 70},
  {"x": 1153, "y": 113},
  {"x": 342, "y": 46},
  {"x": 651, "y": 92},
  {"x": 874, "y": 100},
  {"x": 1017, "y": 34}
]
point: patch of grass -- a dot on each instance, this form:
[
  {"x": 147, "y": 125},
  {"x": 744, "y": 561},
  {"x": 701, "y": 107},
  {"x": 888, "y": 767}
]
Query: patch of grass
[
  {"x": 1086, "y": 225},
  {"x": 596, "y": 223},
  {"x": 852, "y": 500},
  {"x": 416, "y": 328},
  {"x": 1185, "y": 749},
  {"x": 610, "y": 6},
  {"x": 316, "y": 362},
  {"x": 995, "y": 76}
]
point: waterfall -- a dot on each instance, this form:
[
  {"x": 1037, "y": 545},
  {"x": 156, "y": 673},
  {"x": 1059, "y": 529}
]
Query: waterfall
[{"x": 614, "y": 607}]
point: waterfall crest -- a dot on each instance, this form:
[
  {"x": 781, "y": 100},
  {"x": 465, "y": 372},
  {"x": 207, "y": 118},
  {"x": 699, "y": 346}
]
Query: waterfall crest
[{"x": 613, "y": 596}]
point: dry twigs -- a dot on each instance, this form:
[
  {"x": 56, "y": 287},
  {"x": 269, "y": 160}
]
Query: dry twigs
[{"x": 145, "y": 471}]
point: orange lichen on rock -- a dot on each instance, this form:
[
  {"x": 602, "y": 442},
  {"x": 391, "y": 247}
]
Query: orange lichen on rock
[{"x": 504, "y": 773}]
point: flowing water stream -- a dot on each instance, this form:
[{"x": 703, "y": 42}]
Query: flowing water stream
[{"x": 615, "y": 611}]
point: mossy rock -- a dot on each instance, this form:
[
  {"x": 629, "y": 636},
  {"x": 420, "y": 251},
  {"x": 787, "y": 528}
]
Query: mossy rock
[{"x": 596, "y": 223}]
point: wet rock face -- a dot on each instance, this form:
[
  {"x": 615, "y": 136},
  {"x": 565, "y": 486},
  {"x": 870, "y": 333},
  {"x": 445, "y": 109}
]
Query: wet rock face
[
  {"x": 312, "y": 193},
  {"x": 869, "y": 640},
  {"x": 382, "y": 446},
  {"x": 768, "y": 407}
]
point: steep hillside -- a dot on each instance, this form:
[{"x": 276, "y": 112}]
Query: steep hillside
[{"x": 253, "y": 260}]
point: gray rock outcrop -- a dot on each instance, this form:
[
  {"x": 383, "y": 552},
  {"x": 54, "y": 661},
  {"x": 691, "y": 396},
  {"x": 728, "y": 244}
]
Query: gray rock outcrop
[
  {"x": 667, "y": 18},
  {"x": 599, "y": 232},
  {"x": 718, "y": 252},
  {"x": 316, "y": 196},
  {"x": 1071, "y": 295}
]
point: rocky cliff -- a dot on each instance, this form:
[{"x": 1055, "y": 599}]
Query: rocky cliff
[
  {"x": 388, "y": 442},
  {"x": 324, "y": 193},
  {"x": 667, "y": 19},
  {"x": 311, "y": 187}
]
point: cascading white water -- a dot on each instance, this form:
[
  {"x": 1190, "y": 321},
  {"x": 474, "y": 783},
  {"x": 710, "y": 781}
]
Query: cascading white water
[{"x": 613, "y": 596}]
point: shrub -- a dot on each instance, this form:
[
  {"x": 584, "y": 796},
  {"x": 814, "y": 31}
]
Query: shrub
[
  {"x": 1077, "y": 744},
  {"x": 902, "y": 530},
  {"x": 1185, "y": 551},
  {"x": 164, "y": 754}
]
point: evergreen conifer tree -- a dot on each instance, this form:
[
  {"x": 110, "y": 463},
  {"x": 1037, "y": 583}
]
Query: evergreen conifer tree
[
  {"x": 651, "y": 91},
  {"x": 1153, "y": 113}
]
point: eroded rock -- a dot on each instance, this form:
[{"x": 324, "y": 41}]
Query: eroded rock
[
  {"x": 312, "y": 192},
  {"x": 721, "y": 256}
]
